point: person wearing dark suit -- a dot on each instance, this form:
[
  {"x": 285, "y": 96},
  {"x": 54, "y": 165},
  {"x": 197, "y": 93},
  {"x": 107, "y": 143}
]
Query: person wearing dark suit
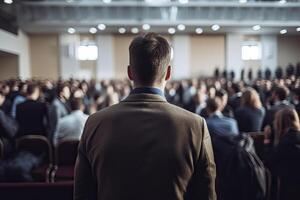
[
  {"x": 251, "y": 114},
  {"x": 31, "y": 115},
  {"x": 279, "y": 97},
  {"x": 217, "y": 123},
  {"x": 283, "y": 156},
  {"x": 144, "y": 147}
]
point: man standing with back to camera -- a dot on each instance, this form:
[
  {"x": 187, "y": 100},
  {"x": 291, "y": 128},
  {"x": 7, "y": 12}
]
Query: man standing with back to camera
[{"x": 145, "y": 148}]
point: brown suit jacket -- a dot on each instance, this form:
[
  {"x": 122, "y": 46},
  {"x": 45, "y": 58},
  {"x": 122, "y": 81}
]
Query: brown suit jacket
[{"x": 145, "y": 149}]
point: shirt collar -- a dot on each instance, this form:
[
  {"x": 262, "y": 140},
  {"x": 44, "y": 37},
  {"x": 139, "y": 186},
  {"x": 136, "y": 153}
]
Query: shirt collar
[{"x": 148, "y": 90}]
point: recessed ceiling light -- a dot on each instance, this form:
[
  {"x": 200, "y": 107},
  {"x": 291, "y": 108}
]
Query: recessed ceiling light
[
  {"x": 134, "y": 30},
  {"x": 283, "y": 31},
  {"x": 199, "y": 30},
  {"x": 243, "y": 1},
  {"x": 256, "y": 27},
  {"x": 181, "y": 27},
  {"x": 106, "y": 1},
  {"x": 71, "y": 30},
  {"x": 172, "y": 30},
  {"x": 183, "y": 1},
  {"x": 8, "y": 1},
  {"x": 101, "y": 27},
  {"x": 282, "y": 1},
  {"x": 122, "y": 30},
  {"x": 298, "y": 29},
  {"x": 146, "y": 27},
  {"x": 215, "y": 27},
  {"x": 93, "y": 30}
]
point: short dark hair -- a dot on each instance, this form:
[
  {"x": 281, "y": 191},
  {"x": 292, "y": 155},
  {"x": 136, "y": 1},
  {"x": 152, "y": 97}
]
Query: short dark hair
[
  {"x": 212, "y": 105},
  {"x": 31, "y": 88},
  {"x": 281, "y": 92},
  {"x": 149, "y": 56},
  {"x": 60, "y": 87},
  {"x": 76, "y": 103}
]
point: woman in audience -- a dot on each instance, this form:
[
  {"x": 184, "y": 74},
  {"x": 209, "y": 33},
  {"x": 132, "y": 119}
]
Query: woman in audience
[
  {"x": 251, "y": 113},
  {"x": 284, "y": 158}
]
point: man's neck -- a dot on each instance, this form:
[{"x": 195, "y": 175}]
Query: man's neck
[{"x": 158, "y": 86}]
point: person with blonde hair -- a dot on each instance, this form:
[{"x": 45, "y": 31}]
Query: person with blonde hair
[
  {"x": 251, "y": 113},
  {"x": 283, "y": 158}
]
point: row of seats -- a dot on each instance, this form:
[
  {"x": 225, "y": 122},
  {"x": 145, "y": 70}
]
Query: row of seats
[{"x": 57, "y": 164}]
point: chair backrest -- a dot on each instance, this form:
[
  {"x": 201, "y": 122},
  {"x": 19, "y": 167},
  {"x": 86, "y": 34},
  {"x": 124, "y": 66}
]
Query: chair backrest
[
  {"x": 37, "y": 145},
  {"x": 66, "y": 153},
  {"x": 1, "y": 149},
  {"x": 37, "y": 190}
]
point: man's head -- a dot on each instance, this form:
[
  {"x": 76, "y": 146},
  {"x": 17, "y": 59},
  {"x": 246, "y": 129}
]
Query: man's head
[
  {"x": 149, "y": 64},
  {"x": 213, "y": 105},
  {"x": 280, "y": 93},
  {"x": 33, "y": 91},
  {"x": 76, "y": 103}
]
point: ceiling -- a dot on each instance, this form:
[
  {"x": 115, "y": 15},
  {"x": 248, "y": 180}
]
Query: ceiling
[{"x": 52, "y": 16}]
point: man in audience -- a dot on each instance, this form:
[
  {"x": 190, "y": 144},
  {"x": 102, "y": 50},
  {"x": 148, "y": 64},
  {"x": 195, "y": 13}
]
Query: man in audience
[
  {"x": 279, "y": 98},
  {"x": 59, "y": 107},
  {"x": 217, "y": 123},
  {"x": 71, "y": 126},
  {"x": 32, "y": 115},
  {"x": 145, "y": 148}
]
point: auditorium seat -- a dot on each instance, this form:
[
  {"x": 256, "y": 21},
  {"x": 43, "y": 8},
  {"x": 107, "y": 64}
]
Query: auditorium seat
[
  {"x": 40, "y": 147},
  {"x": 36, "y": 191},
  {"x": 65, "y": 158}
]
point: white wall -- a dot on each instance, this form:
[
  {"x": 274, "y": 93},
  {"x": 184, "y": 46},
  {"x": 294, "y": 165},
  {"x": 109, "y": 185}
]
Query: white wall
[
  {"x": 69, "y": 65},
  {"x": 19, "y": 45},
  {"x": 269, "y": 52},
  {"x": 105, "y": 63},
  {"x": 181, "y": 57},
  {"x": 233, "y": 53}
]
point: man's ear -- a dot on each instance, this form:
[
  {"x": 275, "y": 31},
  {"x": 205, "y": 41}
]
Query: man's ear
[
  {"x": 129, "y": 73},
  {"x": 168, "y": 74}
]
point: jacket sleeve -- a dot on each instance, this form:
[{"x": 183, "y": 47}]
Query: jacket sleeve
[
  {"x": 84, "y": 183},
  {"x": 202, "y": 184}
]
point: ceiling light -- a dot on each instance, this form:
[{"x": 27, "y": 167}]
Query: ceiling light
[
  {"x": 134, "y": 30},
  {"x": 243, "y": 1},
  {"x": 199, "y": 30},
  {"x": 101, "y": 27},
  {"x": 93, "y": 30},
  {"x": 181, "y": 27},
  {"x": 122, "y": 30},
  {"x": 183, "y": 1},
  {"x": 283, "y": 31},
  {"x": 8, "y": 1},
  {"x": 215, "y": 27},
  {"x": 106, "y": 1},
  {"x": 71, "y": 30},
  {"x": 256, "y": 27},
  {"x": 146, "y": 27},
  {"x": 172, "y": 30},
  {"x": 298, "y": 29},
  {"x": 282, "y": 1}
]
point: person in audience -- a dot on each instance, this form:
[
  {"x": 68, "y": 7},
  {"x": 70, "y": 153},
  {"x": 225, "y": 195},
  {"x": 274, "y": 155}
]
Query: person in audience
[
  {"x": 20, "y": 98},
  {"x": 71, "y": 126},
  {"x": 145, "y": 148},
  {"x": 279, "y": 98},
  {"x": 235, "y": 93},
  {"x": 59, "y": 107},
  {"x": 8, "y": 129},
  {"x": 226, "y": 109},
  {"x": 283, "y": 159},
  {"x": 198, "y": 103},
  {"x": 251, "y": 113},
  {"x": 217, "y": 123},
  {"x": 32, "y": 115}
]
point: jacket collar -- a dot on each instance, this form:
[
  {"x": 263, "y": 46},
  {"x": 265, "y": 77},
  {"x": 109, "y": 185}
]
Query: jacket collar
[{"x": 144, "y": 97}]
